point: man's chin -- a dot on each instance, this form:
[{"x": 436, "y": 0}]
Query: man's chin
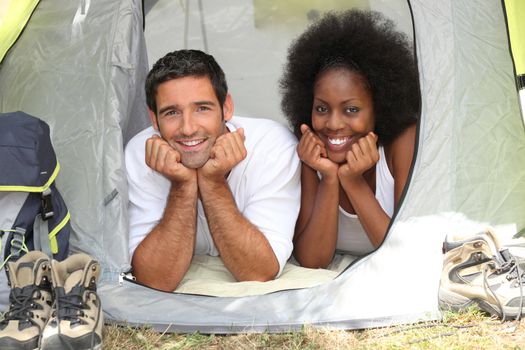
[{"x": 193, "y": 163}]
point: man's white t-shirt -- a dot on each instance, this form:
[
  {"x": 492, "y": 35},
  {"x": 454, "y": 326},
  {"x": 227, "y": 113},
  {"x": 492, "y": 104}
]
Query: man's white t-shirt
[{"x": 265, "y": 185}]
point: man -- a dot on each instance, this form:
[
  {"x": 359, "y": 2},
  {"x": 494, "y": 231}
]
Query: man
[{"x": 204, "y": 182}]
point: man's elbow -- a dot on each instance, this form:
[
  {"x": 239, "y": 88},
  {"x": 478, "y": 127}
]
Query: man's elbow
[
  {"x": 259, "y": 276},
  {"x": 147, "y": 276},
  {"x": 162, "y": 285}
]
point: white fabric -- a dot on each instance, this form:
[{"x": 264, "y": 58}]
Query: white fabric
[
  {"x": 265, "y": 186},
  {"x": 207, "y": 275},
  {"x": 351, "y": 235}
]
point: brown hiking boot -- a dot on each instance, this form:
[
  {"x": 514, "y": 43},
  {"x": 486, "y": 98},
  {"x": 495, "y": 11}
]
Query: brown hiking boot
[
  {"x": 476, "y": 270},
  {"x": 77, "y": 319},
  {"x": 30, "y": 302}
]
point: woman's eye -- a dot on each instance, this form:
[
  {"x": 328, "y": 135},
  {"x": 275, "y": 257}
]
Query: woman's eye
[
  {"x": 351, "y": 109},
  {"x": 321, "y": 109}
]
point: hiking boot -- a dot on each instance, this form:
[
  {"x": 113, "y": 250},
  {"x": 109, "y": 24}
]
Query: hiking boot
[
  {"x": 30, "y": 302},
  {"x": 476, "y": 270},
  {"x": 76, "y": 320}
]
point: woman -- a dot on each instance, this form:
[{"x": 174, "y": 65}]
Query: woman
[{"x": 350, "y": 91}]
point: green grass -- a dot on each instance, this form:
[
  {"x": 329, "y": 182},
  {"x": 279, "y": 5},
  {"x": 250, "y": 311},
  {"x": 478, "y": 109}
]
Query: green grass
[{"x": 468, "y": 330}]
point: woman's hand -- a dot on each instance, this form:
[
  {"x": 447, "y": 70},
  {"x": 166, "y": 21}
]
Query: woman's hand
[
  {"x": 362, "y": 156},
  {"x": 312, "y": 152}
]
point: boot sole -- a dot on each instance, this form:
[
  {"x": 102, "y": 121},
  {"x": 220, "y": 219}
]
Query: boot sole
[{"x": 456, "y": 302}]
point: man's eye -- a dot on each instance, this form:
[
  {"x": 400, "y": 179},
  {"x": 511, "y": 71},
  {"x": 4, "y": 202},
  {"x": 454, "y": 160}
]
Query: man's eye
[
  {"x": 203, "y": 108},
  {"x": 170, "y": 113},
  {"x": 351, "y": 109}
]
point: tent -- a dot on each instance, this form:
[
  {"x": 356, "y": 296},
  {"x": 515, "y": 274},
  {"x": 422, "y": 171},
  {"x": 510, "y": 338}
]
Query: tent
[{"x": 80, "y": 65}]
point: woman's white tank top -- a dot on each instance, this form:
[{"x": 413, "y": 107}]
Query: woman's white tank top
[{"x": 351, "y": 236}]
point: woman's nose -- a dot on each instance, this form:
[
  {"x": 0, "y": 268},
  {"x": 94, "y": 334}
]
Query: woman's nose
[{"x": 335, "y": 121}]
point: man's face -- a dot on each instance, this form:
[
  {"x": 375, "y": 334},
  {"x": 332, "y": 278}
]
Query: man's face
[{"x": 190, "y": 118}]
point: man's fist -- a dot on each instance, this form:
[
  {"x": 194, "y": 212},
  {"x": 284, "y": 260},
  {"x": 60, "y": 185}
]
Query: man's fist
[
  {"x": 227, "y": 152},
  {"x": 164, "y": 159}
]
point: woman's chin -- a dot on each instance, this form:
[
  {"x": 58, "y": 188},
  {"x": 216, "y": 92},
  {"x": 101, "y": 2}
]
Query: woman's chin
[{"x": 337, "y": 157}]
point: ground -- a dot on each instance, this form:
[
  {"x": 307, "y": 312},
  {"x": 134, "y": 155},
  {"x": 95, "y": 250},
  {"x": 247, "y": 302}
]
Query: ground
[{"x": 468, "y": 330}]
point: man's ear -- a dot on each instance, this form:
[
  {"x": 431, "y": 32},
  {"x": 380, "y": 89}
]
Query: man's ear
[
  {"x": 227, "y": 107},
  {"x": 153, "y": 119}
]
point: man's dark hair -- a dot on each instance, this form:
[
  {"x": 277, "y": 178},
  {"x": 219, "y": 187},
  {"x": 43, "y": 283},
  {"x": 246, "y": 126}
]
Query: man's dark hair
[
  {"x": 364, "y": 42},
  {"x": 185, "y": 63}
]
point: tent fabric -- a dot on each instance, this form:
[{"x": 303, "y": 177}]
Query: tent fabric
[
  {"x": 80, "y": 66},
  {"x": 468, "y": 172},
  {"x": 515, "y": 10},
  {"x": 14, "y": 15},
  {"x": 457, "y": 185}
]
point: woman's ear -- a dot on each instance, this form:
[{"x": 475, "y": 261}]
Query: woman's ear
[{"x": 227, "y": 107}]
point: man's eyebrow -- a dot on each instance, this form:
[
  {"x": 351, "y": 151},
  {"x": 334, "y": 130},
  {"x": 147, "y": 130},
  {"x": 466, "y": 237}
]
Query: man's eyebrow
[
  {"x": 196, "y": 103},
  {"x": 204, "y": 103}
]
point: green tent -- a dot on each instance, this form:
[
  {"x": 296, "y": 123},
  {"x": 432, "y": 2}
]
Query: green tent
[{"x": 80, "y": 65}]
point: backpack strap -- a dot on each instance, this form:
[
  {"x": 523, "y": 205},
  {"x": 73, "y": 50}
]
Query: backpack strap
[
  {"x": 44, "y": 235},
  {"x": 40, "y": 235},
  {"x": 41, "y": 223}
]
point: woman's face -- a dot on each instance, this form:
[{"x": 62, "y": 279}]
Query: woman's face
[{"x": 342, "y": 111}]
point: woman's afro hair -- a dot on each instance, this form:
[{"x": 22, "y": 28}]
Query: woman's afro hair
[{"x": 362, "y": 41}]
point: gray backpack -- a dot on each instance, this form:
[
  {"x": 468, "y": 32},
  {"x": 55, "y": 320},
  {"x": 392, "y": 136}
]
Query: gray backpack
[{"x": 33, "y": 215}]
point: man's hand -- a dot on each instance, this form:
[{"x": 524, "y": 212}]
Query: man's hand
[
  {"x": 362, "y": 156},
  {"x": 312, "y": 152},
  {"x": 164, "y": 159},
  {"x": 227, "y": 152}
]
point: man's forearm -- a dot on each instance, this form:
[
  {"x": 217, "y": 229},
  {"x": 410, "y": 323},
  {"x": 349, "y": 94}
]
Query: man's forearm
[
  {"x": 163, "y": 257},
  {"x": 242, "y": 246}
]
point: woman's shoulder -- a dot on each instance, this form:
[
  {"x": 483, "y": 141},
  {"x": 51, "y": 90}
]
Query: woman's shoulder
[{"x": 401, "y": 150}]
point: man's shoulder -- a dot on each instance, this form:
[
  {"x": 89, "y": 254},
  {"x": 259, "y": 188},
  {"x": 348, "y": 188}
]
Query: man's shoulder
[
  {"x": 264, "y": 130},
  {"x": 138, "y": 142},
  {"x": 256, "y": 122},
  {"x": 135, "y": 151}
]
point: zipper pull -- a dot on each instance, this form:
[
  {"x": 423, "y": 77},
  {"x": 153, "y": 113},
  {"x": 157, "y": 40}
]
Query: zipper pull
[{"x": 125, "y": 275}]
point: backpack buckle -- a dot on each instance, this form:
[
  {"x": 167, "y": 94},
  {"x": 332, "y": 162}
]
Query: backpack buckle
[{"x": 46, "y": 209}]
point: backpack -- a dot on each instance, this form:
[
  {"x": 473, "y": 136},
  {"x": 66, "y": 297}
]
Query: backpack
[{"x": 33, "y": 215}]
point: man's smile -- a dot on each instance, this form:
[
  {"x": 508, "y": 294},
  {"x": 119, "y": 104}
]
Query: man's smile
[{"x": 192, "y": 145}]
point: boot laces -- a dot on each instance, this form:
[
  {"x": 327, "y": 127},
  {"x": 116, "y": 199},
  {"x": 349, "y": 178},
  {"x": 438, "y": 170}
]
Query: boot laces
[
  {"x": 505, "y": 263},
  {"x": 22, "y": 303},
  {"x": 70, "y": 306}
]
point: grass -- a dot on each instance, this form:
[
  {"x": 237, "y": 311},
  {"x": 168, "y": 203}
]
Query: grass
[{"x": 468, "y": 330}]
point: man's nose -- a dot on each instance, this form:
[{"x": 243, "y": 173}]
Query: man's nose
[{"x": 189, "y": 125}]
